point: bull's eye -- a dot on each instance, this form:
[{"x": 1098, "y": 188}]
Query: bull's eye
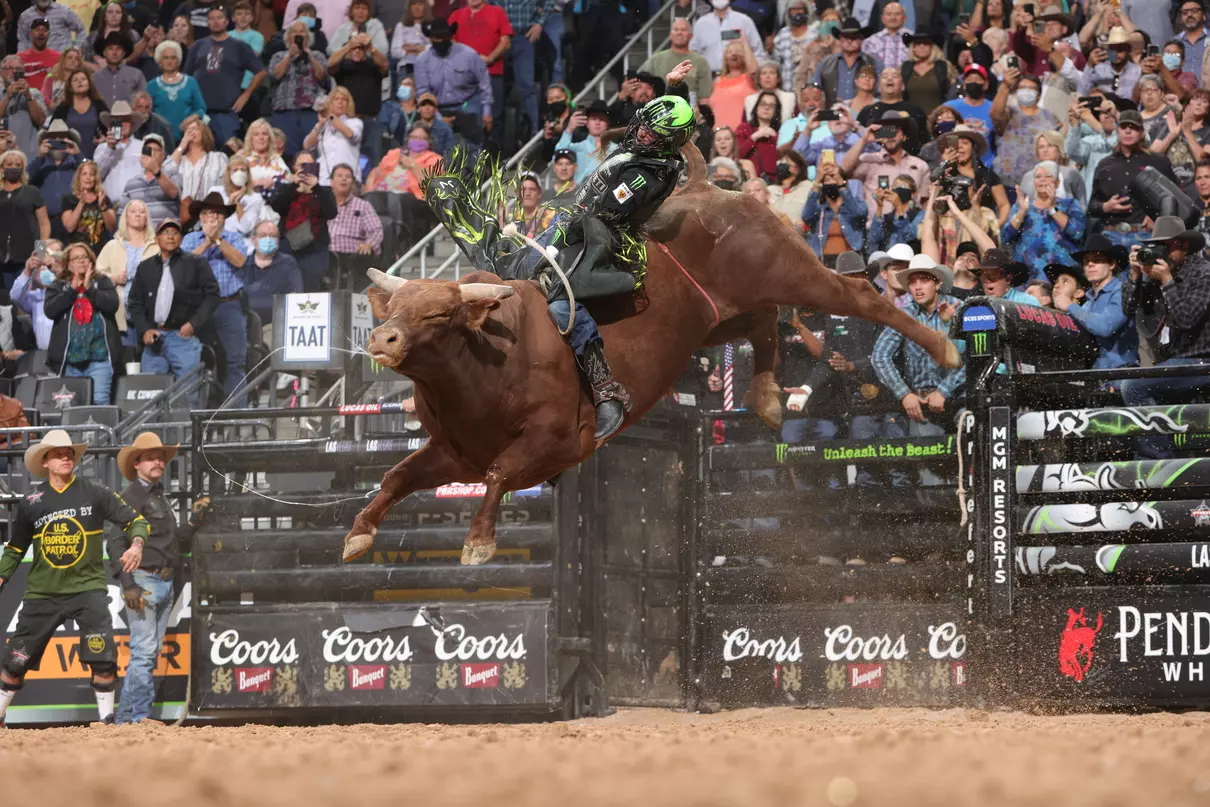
[{"x": 436, "y": 316}]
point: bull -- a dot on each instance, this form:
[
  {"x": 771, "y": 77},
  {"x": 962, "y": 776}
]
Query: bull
[{"x": 497, "y": 388}]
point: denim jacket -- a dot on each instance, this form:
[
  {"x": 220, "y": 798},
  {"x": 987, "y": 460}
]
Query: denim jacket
[
  {"x": 902, "y": 229},
  {"x": 817, "y": 216}
]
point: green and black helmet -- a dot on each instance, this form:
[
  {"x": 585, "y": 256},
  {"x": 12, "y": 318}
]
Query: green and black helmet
[{"x": 661, "y": 127}]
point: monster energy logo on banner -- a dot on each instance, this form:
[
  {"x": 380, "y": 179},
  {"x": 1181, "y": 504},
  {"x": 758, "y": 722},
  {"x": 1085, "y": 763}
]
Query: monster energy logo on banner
[
  {"x": 375, "y": 367},
  {"x": 781, "y": 453},
  {"x": 979, "y": 343}
]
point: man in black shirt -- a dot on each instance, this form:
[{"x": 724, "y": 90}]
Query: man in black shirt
[
  {"x": 360, "y": 68},
  {"x": 147, "y": 589},
  {"x": 1123, "y": 222},
  {"x": 64, "y": 520}
]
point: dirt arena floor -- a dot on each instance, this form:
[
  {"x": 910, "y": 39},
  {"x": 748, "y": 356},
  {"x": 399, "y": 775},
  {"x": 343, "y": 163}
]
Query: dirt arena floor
[{"x": 636, "y": 758}]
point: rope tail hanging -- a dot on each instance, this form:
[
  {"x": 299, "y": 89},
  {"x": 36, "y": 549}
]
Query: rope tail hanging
[{"x": 551, "y": 254}]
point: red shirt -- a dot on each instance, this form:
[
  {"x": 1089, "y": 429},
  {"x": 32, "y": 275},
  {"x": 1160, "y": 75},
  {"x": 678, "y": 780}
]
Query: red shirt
[
  {"x": 482, "y": 30},
  {"x": 37, "y": 64}
]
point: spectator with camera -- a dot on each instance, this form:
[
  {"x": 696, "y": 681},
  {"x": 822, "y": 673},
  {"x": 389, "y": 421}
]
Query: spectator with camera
[
  {"x": 901, "y": 222},
  {"x": 1101, "y": 311},
  {"x": 1124, "y": 222},
  {"x": 337, "y": 135},
  {"x": 305, "y": 208},
  {"x": 834, "y": 216},
  {"x": 28, "y": 290},
  {"x": 1118, "y": 73},
  {"x": 583, "y": 136},
  {"x": 120, "y": 156},
  {"x": 156, "y": 186},
  {"x": 713, "y": 33},
  {"x": 457, "y": 76},
  {"x": 1091, "y": 136},
  {"x": 84, "y": 340},
  {"x": 841, "y": 138},
  {"x": 1047, "y": 229},
  {"x": 810, "y": 100},
  {"x": 963, "y": 174},
  {"x": 54, "y": 169},
  {"x": 1017, "y": 128},
  {"x": 359, "y": 65},
  {"x": 298, "y": 75},
  {"x": 23, "y": 212},
  {"x": 950, "y": 220},
  {"x": 877, "y": 169},
  {"x": 21, "y": 104},
  {"x": 1171, "y": 279}
]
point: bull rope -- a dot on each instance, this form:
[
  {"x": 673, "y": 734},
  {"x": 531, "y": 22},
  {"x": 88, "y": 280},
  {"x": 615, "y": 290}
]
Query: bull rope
[
  {"x": 550, "y": 253},
  {"x": 696, "y": 285}
]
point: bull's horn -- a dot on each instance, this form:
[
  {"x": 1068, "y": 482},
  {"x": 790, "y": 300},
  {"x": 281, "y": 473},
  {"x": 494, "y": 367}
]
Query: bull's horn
[
  {"x": 384, "y": 281},
  {"x": 483, "y": 291}
]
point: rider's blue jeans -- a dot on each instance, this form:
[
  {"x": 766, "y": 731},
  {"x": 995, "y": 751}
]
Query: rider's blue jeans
[{"x": 585, "y": 330}]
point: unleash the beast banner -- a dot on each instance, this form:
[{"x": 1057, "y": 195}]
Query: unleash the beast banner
[
  {"x": 59, "y": 692},
  {"x": 836, "y": 655},
  {"x": 390, "y": 656}
]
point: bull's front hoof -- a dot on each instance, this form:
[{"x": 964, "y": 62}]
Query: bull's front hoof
[
  {"x": 477, "y": 555},
  {"x": 358, "y": 545}
]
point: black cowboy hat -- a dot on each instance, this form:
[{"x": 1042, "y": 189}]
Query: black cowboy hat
[
  {"x": 598, "y": 106},
  {"x": 1097, "y": 243},
  {"x": 923, "y": 36},
  {"x": 1170, "y": 227},
  {"x": 116, "y": 38},
  {"x": 850, "y": 27},
  {"x": 212, "y": 201},
  {"x": 655, "y": 82},
  {"x": 439, "y": 28},
  {"x": 1054, "y": 270},
  {"x": 900, "y": 119},
  {"x": 999, "y": 259}
]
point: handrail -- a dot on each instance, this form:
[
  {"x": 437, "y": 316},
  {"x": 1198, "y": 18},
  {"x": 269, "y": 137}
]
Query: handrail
[{"x": 597, "y": 82}]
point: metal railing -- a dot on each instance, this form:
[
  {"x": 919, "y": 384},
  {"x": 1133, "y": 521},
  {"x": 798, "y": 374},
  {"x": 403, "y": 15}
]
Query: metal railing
[{"x": 597, "y": 85}]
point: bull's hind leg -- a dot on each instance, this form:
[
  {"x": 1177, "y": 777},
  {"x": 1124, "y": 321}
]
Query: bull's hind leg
[
  {"x": 822, "y": 290},
  {"x": 427, "y": 468},
  {"x": 760, "y": 328}
]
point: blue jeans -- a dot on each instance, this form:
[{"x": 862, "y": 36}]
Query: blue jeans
[
  {"x": 554, "y": 32},
  {"x": 101, "y": 373},
  {"x": 147, "y": 628},
  {"x": 296, "y": 123},
  {"x": 585, "y": 331},
  {"x": 177, "y": 355},
  {"x": 232, "y": 328},
  {"x": 225, "y": 126},
  {"x": 1155, "y": 391},
  {"x": 371, "y": 139},
  {"x": 521, "y": 53}
]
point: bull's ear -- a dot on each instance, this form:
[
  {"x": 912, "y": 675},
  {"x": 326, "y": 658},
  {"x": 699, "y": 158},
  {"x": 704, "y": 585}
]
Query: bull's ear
[
  {"x": 380, "y": 303},
  {"x": 476, "y": 312}
]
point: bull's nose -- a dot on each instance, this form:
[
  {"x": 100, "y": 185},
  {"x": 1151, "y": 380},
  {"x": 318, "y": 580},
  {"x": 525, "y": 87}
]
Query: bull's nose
[{"x": 385, "y": 339}]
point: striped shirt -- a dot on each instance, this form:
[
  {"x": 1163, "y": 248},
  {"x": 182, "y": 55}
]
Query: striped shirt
[
  {"x": 922, "y": 372},
  {"x": 148, "y": 191},
  {"x": 228, "y": 276}
]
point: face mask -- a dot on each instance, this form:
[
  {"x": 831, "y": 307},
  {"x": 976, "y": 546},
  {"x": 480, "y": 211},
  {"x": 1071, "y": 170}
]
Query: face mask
[
  {"x": 783, "y": 172},
  {"x": 12, "y": 174},
  {"x": 46, "y": 277},
  {"x": 1027, "y": 98},
  {"x": 239, "y": 178},
  {"x": 404, "y": 93},
  {"x": 944, "y": 126},
  {"x": 1172, "y": 61},
  {"x": 726, "y": 184},
  {"x": 309, "y": 22},
  {"x": 904, "y": 194},
  {"x": 417, "y": 145},
  {"x": 719, "y": 5},
  {"x": 829, "y": 28},
  {"x": 974, "y": 90},
  {"x": 832, "y": 191},
  {"x": 442, "y": 48},
  {"x": 266, "y": 245},
  {"x": 798, "y": 20}
]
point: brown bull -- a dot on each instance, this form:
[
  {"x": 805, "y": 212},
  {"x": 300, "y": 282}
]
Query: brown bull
[{"x": 498, "y": 390}]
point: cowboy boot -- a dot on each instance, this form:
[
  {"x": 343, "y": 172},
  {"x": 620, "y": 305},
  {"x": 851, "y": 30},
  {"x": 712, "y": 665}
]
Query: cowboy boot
[{"x": 610, "y": 398}]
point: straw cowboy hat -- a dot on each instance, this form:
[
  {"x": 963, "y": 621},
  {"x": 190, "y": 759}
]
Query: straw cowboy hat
[
  {"x": 1118, "y": 36},
  {"x": 121, "y": 111},
  {"x": 146, "y": 441},
  {"x": 55, "y": 438},
  {"x": 924, "y": 265}
]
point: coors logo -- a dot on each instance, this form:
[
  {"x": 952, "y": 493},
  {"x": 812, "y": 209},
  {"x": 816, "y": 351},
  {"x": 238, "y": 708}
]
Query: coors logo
[
  {"x": 842, "y": 645},
  {"x": 368, "y": 676},
  {"x": 341, "y": 647},
  {"x": 739, "y": 644},
  {"x": 254, "y": 679},
  {"x": 480, "y": 676},
  {"x": 228, "y": 648},
  {"x": 455, "y": 643}
]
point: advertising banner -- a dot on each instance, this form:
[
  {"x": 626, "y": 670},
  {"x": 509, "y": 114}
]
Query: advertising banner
[
  {"x": 1125, "y": 643},
  {"x": 836, "y": 655},
  {"x": 59, "y": 692},
  {"x": 391, "y": 656}
]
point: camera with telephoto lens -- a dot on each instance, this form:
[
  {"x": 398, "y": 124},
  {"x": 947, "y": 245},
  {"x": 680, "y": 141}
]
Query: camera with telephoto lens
[
  {"x": 1151, "y": 253},
  {"x": 958, "y": 188},
  {"x": 301, "y": 41}
]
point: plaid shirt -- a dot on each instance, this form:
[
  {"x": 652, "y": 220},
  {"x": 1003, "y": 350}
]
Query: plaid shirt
[
  {"x": 228, "y": 277},
  {"x": 1187, "y": 299},
  {"x": 356, "y": 223},
  {"x": 922, "y": 372},
  {"x": 887, "y": 48},
  {"x": 524, "y": 13}
]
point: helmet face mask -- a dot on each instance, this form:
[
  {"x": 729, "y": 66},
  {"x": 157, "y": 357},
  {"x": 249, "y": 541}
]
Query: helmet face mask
[{"x": 661, "y": 127}]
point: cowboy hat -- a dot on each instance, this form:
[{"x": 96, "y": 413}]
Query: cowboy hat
[
  {"x": 1056, "y": 13},
  {"x": 59, "y": 130},
  {"x": 910, "y": 37},
  {"x": 146, "y": 441},
  {"x": 1054, "y": 271},
  {"x": 1000, "y": 260},
  {"x": 1170, "y": 227},
  {"x": 438, "y": 28},
  {"x": 976, "y": 138},
  {"x": 850, "y": 263},
  {"x": 1097, "y": 243},
  {"x": 900, "y": 253},
  {"x": 212, "y": 201},
  {"x": 924, "y": 265},
  {"x": 1118, "y": 36},
  {"x": 116, "y": 38},
  {"x": 55, "y": 438},
  {"x": 597, "y": 107},
  {"x": 850, "y": 27},
  {"x": 122, "y": 111},
  {"x": 900, "y": 119}
]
